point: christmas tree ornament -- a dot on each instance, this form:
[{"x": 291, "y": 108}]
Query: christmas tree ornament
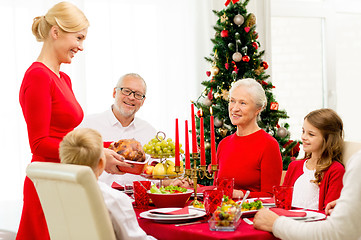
[
  {"x": 237, "y": 35},
  {"x": 245, "y": 58},
  {"x": 258, "y": 71},
  {"x": 224, "y": 33},
  {"x": 224, "y": 18},
  {"x": 208, "y": 73},
  {"x": 206, "y": 101},
  {"x": 234, "y": 75},
  {"x": 216, "y": 95},
  {"x": 226, "y": 65},
  {"x": 251, "y": 20},
  {"x": 223, "y": 131},
  {"x": 207, "y": 145},
  {"x": 225, "y": 94},
  {"x": 244, "y": 50},
  {"x": 229, "y": 1},
  {"x": 282, "y": 132},
  {"x": 264, "y": 83},
  {"x": 215, "y": 70},
  {"x": 231, "y": 46},
  {"x": 199, "y": 113},
  {"x": 210, "y": 95},
  {"x": 264, "y": 65},
  {"x": 218, "y": 122},
  {"x": 255, "y": 45},
  {"x": 274, "y": 106},
  {"x": 237, "y": 56},
  {"x": 246, "y": 29},
  {"x": 238, "y": 19}
]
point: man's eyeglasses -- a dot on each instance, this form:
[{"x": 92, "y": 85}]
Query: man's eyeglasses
[{"x": 127, "y": 92}]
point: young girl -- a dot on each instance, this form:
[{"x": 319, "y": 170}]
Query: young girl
[{"x": 317, "y": 179}]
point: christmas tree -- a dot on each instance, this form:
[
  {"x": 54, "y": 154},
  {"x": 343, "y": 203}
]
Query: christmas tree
[{"x": 236, "y": 55}]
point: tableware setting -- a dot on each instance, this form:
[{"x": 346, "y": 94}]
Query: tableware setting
[
  {"x": 164, "y": 197},
  {"x": 165, "y": 218},
  {"x": 303, "y": 215}
]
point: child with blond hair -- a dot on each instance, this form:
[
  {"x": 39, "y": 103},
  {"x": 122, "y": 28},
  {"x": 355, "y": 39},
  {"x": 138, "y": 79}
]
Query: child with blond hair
[{"x": 84, "y": 146}]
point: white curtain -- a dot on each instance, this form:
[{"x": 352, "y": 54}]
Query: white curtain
[{"x": 165, "y": 41}]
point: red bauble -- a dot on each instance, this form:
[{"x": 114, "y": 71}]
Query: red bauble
[
  {"x": 274, "y": 106},
  {"x": 208, "y": 73},
  {"x": 265, "y": 65},
  {"x": 245, "y": 58},
  {"x": 199, "y": 113},
  {"x": 255, "y": 45},
  {"x": 224, "y": 33}
]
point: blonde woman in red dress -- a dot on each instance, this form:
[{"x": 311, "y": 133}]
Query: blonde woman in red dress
[{"x": 49, "y": 106}]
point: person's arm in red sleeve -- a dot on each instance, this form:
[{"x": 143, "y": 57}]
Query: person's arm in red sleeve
[
  {"x": 37, "y": 113},
  {"x": 271, "y": 170},
  {"x": 333, "y": 186}
]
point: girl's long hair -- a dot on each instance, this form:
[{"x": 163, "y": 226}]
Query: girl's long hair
[{"x": 331, "y": 126}]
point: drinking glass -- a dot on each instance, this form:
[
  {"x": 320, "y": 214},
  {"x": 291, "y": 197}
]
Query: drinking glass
[
  {"x": 141, "y": 196},
  {"x": 283, "y": 196},
  {"x": 212, "y": 199},
  {"x": 225, "y": 184}
]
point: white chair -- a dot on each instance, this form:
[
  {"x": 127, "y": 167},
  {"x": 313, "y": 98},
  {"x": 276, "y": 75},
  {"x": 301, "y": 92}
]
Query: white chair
[
  {"x": 73, "y": 205},
  {"x": 350, "y": 148}
]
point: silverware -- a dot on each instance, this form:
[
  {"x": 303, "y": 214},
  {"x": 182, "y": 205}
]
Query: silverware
[
  {"x": 248, "y": 221},
  {"x": 190, "y": 223}
]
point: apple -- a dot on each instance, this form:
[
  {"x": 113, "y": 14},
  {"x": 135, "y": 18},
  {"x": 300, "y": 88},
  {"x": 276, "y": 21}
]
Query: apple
[{"x": 148, "y": 169}]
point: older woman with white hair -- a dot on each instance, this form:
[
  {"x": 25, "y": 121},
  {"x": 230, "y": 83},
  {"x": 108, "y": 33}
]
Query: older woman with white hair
[{"x": 251, "y": 156}]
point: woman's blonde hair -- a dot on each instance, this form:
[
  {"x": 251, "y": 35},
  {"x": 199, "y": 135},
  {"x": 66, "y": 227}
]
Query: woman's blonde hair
[
  {"x": 65, "y": 15},
  {"x": 331, "y": 127},
  {"x": 83, "y": 146}
]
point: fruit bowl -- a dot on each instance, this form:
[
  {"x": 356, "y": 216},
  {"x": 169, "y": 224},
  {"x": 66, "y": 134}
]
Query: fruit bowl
[
  {"x": 170, "y": 200},
  {"x": 161, "y": 169},
  {"x": 136, "y": 167}
]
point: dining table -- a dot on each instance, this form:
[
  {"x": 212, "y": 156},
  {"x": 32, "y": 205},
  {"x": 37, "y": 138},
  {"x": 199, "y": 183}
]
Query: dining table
[{"x": 198, "y": 231}]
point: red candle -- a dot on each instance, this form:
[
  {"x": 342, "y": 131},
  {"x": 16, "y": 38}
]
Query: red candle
[
  {"x": 203, "y": 153},
  {"x": 176, "y": 151},
  {"x": 194, "y": 131},
  {"x": 213, "y": 140},
  {"x": 188, "y": 161}
]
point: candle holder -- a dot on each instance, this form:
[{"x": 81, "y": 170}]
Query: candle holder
[{"x": 198, "y": 172}]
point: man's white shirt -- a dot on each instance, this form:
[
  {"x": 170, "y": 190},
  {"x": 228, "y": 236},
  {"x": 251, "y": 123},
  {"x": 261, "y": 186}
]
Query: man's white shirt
[{"x": 112, "y": 130}]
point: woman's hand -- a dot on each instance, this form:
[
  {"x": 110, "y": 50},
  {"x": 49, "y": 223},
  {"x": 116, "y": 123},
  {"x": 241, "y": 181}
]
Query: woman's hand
[
  {"x": 329, "y": 207},
  {"x": 113, "y": 160},
  {"x": 237, "y": 194},
  {"x": 264, "y": 219}
]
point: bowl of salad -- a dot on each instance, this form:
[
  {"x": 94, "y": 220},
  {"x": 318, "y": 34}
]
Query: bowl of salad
[{"x": 169, "y": 196}]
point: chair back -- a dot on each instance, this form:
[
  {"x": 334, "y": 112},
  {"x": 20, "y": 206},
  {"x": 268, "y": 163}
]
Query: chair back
[
  {"x": 72, "y": 202},
  {"x": 350, "y": 148}
]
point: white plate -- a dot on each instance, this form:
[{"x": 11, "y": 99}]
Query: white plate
[
  {"x": 162, "y": 219},
  {"x": 310, "y": 216},
  {"x": 165, "y": 210},
  {"x": 264, "y": 204}
]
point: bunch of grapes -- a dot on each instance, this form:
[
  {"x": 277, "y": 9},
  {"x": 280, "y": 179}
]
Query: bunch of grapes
[{"x": 158, "y": 147}]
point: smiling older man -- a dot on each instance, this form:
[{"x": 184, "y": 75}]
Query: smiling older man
[{"x": 119, "y": 121}]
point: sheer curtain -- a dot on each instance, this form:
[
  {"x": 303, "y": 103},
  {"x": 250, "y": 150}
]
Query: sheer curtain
[{"x": 164, "y": 41}]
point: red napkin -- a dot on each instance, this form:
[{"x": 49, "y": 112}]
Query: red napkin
[
  {"x": 267, "y": 200},
  {"x": 117, "y": 186},
  {"x": 181, "y": 211},
  {"x": 287, "y": 213},
  {"x": 204, "y": 188}
]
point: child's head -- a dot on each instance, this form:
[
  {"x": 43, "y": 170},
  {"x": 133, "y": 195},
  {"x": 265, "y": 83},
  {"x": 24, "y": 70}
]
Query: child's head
[
  {"x": 330, "y": 125},
  {"x": 83, "y": 146}
]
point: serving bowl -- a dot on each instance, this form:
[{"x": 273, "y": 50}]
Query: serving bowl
[
  {"x": 163, "y": 200},
  {"x": 136, "y": 167}
]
